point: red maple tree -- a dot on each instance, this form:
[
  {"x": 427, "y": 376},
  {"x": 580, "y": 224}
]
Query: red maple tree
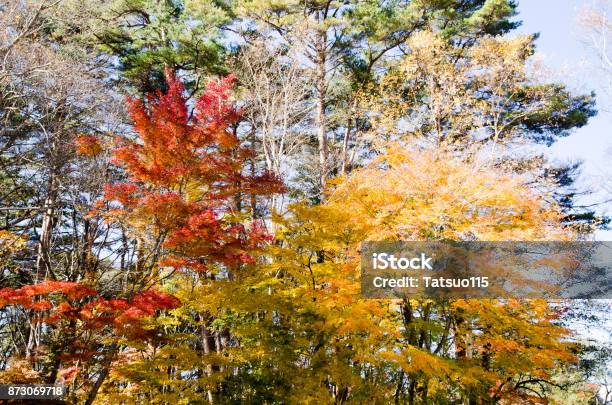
[{"x": 188, "y": 178}]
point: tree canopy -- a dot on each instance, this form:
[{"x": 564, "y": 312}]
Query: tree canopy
[{"x": 185, "y": 187}]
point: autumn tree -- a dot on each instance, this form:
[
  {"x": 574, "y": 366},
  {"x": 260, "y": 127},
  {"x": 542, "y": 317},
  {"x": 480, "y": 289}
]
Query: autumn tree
[
  {"x": 344, "y": 43},
  {"x": 484, "y": 95},
  {"x": 61, "y": 310},
  {"x": 481, "y": 100},
  {"x": 413, "y": 351},
  {"x": 186, "y": 205},
  {"x": 50, "y": 96}
]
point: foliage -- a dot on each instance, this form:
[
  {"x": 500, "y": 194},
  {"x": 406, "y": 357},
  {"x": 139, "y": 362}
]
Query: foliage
[
  {"x": 409, "y": 351},
  {"x": 146, "y": 37},
  {"x": 345, "y": 45},
  {"x": 483, "y": 95},
  {"x": 295, "y": 329},
  {"x": 186, "y": 180},
  {"x": 183, "y": 203},
  {"x": 159, "y": 258},
  {"x": 484, "y": 99}
]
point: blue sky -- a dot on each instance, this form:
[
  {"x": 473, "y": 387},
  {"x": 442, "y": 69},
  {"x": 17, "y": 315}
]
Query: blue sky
[{"x": 563, "y": 49}]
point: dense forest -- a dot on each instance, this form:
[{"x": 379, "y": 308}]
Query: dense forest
[{"x": 185, "y": 186}]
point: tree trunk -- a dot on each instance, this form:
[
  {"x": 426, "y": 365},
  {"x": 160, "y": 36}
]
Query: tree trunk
[
  {"x": 345, "y": 141},
  {"x": 321, "y": 119},
  {"x": 43, "y": 260},
  {"x": 96, "y": 387},
  {"x": 102, "y": 376},
  {"x": 463, "y": 338},
  {"x": 209, "y": 345}
]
